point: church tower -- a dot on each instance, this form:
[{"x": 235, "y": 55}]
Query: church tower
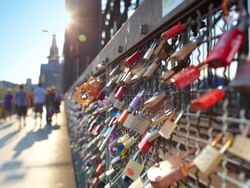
[
  {"x": 53, "y": 56},
  {"x": 51, "y": 72}
]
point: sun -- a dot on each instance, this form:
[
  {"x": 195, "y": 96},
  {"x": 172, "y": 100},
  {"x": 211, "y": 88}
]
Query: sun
[{"x": 68, "y": 19}]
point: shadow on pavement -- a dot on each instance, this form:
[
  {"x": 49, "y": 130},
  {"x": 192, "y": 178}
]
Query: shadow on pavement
[
  {"x": 4, "y": 126},
  {"x": 7, "y": 137},
  {"x": 32, "y": 137},
  {"x": 13, "y": 177},
  {"x": 11, "y": 165},
  {"x": 9, "y": 169}
]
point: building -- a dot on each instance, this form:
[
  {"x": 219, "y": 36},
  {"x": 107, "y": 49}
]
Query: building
[
  {"x": 82, "y": 38},
  {"x": 51, "y": 73},
  {"x": 96, "y": 22}
]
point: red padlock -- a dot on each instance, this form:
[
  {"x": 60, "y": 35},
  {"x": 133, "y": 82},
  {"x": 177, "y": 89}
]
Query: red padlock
[
  {"x": 228, "y": 45},
  {"x": 100, "y": 168},
  {"x": 173, "y": 31},
  {"x": 120, "y": 92},
  {"x": 96, "y": 159},
  {"x": 101, "y": 94},
  {"x": 99, "y": 128},
  {"x": 187, "y": 75},
  {"x": 112, "y": 121},
  {"x": 133, "y": 58},
  {"x": 90, "y": 129},
  {"x": 148, "y": 140},
  {"x": 208, "y": 99}
]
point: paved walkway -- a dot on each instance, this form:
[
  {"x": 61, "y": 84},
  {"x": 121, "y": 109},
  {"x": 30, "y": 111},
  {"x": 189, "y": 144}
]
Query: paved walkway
[{"x": 35, "y": 157}]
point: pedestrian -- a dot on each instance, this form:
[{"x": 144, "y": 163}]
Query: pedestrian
[
  {"x": 50, "y": 104},
  {"x": 8, "y": 101},
  {"x": 39, "y": 100},
  {"x": 58, "y": 99},
  {"x": 21, "y": 101}
]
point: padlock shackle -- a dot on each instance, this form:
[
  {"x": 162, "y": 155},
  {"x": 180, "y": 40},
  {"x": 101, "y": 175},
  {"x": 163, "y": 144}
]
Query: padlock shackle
[
  {"x": 179, "y": 116},
  {"x": 228, "y": 141},
  {"x": 227, "y": 144},
  {"x": 217, "y": 139}
]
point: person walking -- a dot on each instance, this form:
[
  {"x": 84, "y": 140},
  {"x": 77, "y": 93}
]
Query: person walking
[
  {"x": 50, "y": 104},
  {"x": 39, "y": 100},
  {"x": 21, "y": 101},
  {"x": 8, "y": 101}
]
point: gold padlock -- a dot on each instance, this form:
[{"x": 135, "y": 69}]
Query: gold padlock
[
  {"x": 241, "y": 144},
  {"x": 168, "y": 127},
  {"x": 168, "y": 114},
  {"x": 130, "y": 142},
  {"x": 139, "y": 74},
  {"x": 153, "y": 101},
  {"x": 163, "y": 50},
  {"x": 123, "y": 138},
  {"x": 210, "y": 157},
  {"x": 127, "y": 78},
  {"x": 183, "y": 52}
]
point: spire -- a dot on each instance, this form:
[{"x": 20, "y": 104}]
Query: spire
[{"x": 53, "y": 56}]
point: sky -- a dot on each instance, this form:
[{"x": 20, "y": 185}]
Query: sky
[{"x": 23, "y": 44}]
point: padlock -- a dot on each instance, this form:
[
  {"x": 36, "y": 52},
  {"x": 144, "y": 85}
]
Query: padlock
[
  {"x": 118, "y": 104},
  {"x": 101, "y": 94},
  {"x": 111, "y": 122},
  {"x": 149, "y": 52},
  {"x": 123, "y": 116},
  {"x": 228, "y": 45},
  {"x": 131, "y": 60},
  {"x": 208, "y": 99},
  {"x": 240, "y": 146},
  {"x": 100, "y": 168},
  {"x": 168, "y": 127},
  {"x": 136, "y": 101},
  {"x": 137, "y": 123},
  {"x": 112, "y": 81},
  {"x": 186, "y": 50},
  {"x": 169, "y": 73},
  {"x": 120, "y": 93},
  {"x": 115, "y": 160},
  {"x": 95, "y": 159},
  {"x": 98, "y": 129},
  {"x": 114, "y": 70},
  {"x": 108, "y": 172},
  {"x": 241, "y": 82},
  {"x": 209, "y": 158},
  {"x": 148, "y": 140},
  {"x": 156, "y": 99},
  {"x": 163, "y": 50},
  {"x": 187, "y": 75},
  {"x": 107, "y": 136},
  {"x": 167, "y": 172},
  {"x": 130, "y": 142},
  {"x": 151, "y": 69},
  {"x": 158, "y": 119},
  {"x": 138, "y": 183},
  {"x": 173, "y": 31},
  {"x": 139, "y": 74},
  {"x": 123, "y": 138},
  {"x": 121, "y": 150},
  {"x": 133, "y": 168},
  {"x": 127, "y": 78}
]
